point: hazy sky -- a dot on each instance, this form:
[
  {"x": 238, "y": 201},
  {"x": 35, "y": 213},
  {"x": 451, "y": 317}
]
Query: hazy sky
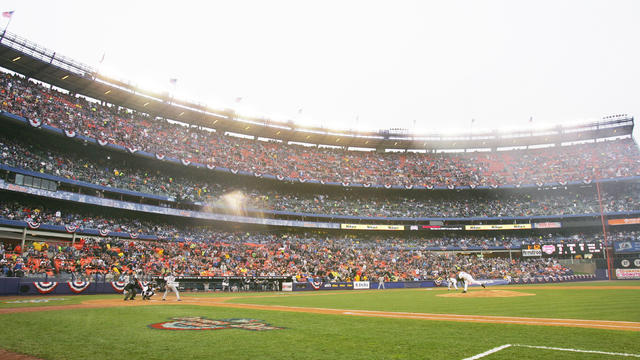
[{"x": 362, "y": 64}]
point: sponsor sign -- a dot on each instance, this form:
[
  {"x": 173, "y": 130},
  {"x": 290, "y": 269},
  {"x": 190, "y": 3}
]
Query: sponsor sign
[
  {"x": 287, "y": 286},
  {"x": 498, "y": 227},
  {"x": 549, "y": 249},
  {"x": 626, "y": 246},
  {"x": 371, "y": 227},
  {"x": 360, "y": 285},
  {"x": 202, "y": 323},
  {"x": 624, "y": 221},
  {"x": 547, "y": 225},
  {"x": 532, "y": 252},
  {"x": 439, "y": 227},
  {"x": 628, "y": 273}
]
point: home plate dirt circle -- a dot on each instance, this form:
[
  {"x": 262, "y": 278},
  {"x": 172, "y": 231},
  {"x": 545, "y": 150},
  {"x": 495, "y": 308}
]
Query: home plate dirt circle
[{"x": 487, "y": 293}]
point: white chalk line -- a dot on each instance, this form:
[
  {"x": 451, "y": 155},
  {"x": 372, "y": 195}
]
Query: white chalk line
[
  {"x": 502, "y": 347},
  {"x": 488, "y": 352}
]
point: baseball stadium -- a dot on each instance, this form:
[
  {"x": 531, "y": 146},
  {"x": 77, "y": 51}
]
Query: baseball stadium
[{"x": 134, "y": 223}]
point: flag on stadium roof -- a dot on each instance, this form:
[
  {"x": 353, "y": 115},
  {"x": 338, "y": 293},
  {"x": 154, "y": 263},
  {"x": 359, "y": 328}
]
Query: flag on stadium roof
[
  {"x": 7, "y": 14},
  {"x": 173, "y": 81}
]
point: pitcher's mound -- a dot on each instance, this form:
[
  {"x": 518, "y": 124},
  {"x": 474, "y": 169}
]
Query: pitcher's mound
[{"x": 487, "y": 293}]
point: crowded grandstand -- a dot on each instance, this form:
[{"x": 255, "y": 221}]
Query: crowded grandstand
[{"x": 118, "y": 189}]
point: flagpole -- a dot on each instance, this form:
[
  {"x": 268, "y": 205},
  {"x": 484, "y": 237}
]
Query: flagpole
[{"x": 6, "y": 27}]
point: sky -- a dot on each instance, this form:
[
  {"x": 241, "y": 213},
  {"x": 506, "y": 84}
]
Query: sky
[{"x": 428, "y": 66}]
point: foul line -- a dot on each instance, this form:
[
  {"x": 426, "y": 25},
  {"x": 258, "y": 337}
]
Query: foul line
[
  {"x": 488, "y": 352},
  {"x": 502, "y": 347}
]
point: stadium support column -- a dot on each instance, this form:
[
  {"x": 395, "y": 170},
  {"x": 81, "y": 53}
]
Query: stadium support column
[
  {"x": 604, "y": 231},
  {"x": 24, "y": 238}
]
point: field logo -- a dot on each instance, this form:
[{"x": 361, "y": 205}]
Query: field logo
[
  {"x": 202, "y": 323},
  {"x": 33, "y": 301}
]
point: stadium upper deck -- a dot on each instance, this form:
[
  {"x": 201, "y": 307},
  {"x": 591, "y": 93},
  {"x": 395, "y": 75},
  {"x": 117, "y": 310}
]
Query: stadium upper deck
[
  {"x": 34, "y": 61},
  {"x": 141, "y": 133}
]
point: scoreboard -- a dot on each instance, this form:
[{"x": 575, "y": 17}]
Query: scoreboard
[{"x": 563, "y": 249}]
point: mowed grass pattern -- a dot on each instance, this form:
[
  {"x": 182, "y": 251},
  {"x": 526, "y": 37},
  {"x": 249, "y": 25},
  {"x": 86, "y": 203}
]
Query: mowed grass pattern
[{"x": 123, "y": 332}]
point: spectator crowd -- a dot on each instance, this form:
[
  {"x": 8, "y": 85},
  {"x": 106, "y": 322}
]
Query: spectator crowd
[
  {"x": 137, "y": 131},
  {"x": 199, "y": 190}
]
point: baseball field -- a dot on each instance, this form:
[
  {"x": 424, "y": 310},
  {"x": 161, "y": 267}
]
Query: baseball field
[{"x": 590, "y": 320}]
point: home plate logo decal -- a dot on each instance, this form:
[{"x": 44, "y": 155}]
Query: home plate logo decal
[{"x": 202, "y": 323}]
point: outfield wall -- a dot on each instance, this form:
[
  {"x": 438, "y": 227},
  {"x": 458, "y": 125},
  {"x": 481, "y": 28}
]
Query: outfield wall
[{"x": 36, "y": 286}]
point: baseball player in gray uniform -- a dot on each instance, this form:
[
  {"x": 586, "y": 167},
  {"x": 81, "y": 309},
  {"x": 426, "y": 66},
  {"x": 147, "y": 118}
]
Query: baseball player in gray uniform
[{"x": 172, "y": 285}]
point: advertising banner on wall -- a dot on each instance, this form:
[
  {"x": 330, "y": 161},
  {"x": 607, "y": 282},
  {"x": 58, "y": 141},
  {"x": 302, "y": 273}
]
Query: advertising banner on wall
[
  {"x": 498, "y": 227},
  {"x": 532, "y": 252},
  {"x": 371, "y": 227},
  {"x": 628, "y": 274},
  {"x": 630, "y": 221},
  {"x": 626, "y": 246}
]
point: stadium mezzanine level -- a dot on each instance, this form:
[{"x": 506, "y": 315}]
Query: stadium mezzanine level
[{"x": 34, "y": 61}]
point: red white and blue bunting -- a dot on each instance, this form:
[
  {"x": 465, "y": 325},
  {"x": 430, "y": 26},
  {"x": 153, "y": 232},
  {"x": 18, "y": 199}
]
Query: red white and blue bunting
[
  {"x": 32, "y": 224},
  {"x": 387, "y": 186},
  {"x": 35, "y": 122},
  {"x": 430, "y": 187},
  {"x": 134, "y": 235},
  {"x": 70, "y": 133},
  {"x": 160, "y": 156},
  {"x": 408, "y": 187},
  {"x": 118, "y": 285},
  {"x": 257, "y": 175},
  {"x": 185, "y": 162},
  {"x": 78, "y": 286},
  {"x": 102, "y": 142},
  {"x": 45, "y": 287},
  {"x": 234, "y": 171},
  {"x": 104, "y": 232},
  {"x": 366, "y": 185},
  {"x": 211, "y": 166},
  {"x": 303, "y": 180},
  {"x": 316, "y": 284},
  {"x": 451, "y": 187},
  {"x": 71, "y": 228},
  {"x": 279, "y": 177},
  {"x": 132, "y": 149}
]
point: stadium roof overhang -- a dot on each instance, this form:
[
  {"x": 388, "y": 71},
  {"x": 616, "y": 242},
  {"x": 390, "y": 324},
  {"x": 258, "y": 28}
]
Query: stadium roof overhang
[{"x": 33, "y": 61}]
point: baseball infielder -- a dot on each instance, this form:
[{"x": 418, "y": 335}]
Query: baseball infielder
[
  {"x": 172, "y": 285},
  {"x": 453, "y": 282},
  {"x": 468, "y": 280}
]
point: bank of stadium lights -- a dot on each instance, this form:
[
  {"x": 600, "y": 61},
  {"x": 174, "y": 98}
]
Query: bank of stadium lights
[
  {"x": 16, "y": 58},
  {"x": 64, "y": 77}
]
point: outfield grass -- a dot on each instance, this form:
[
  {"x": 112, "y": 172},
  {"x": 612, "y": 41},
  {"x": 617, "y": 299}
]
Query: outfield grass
[
  {"x": 123, "y": 332},
  {"x": 619, "y": 305}
]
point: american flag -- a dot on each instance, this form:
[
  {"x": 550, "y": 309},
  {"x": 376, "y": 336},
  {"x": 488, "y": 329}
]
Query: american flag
[
  {"x": 7, "y": 14},
  {"x": 173, "y": 81}
]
